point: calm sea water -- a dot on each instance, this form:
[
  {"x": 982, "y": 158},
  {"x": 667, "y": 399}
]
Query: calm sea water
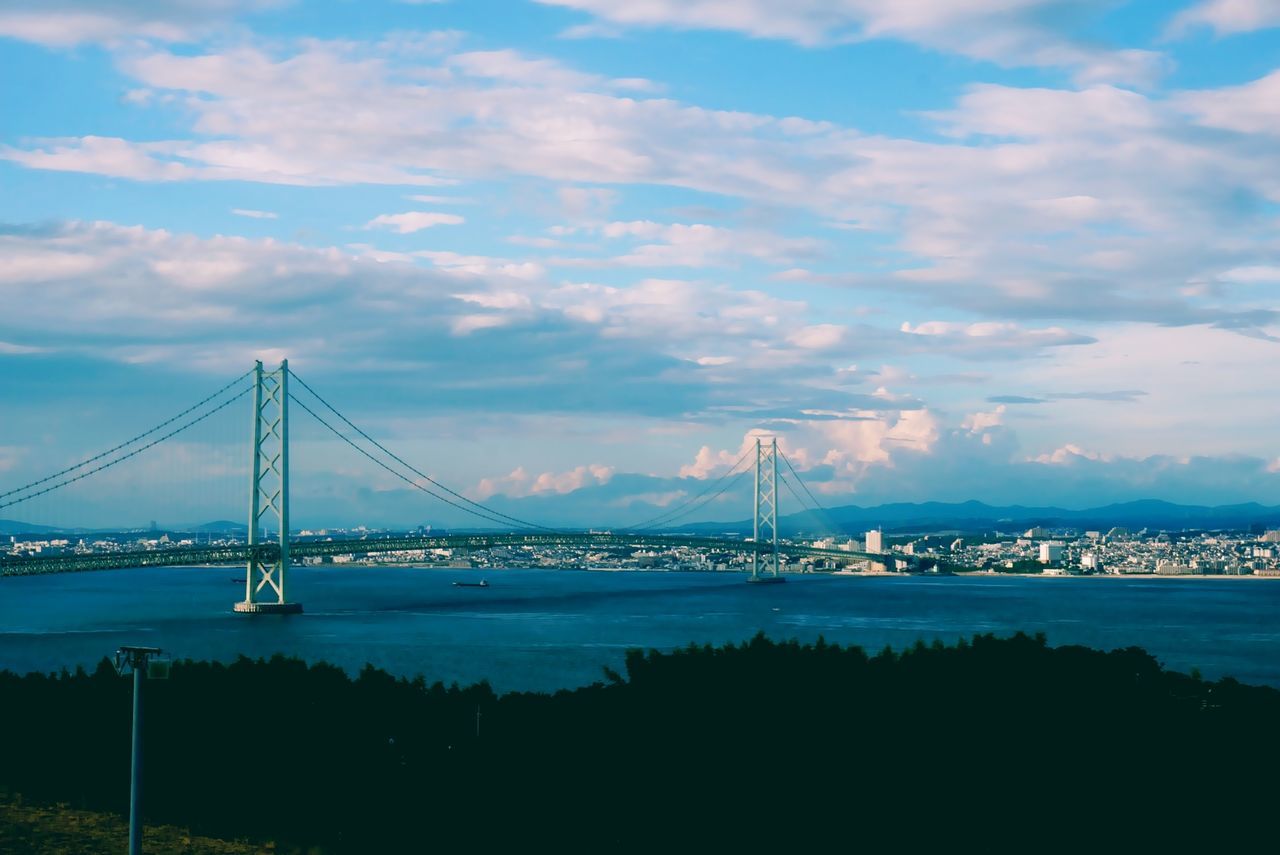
[{"x": 548, "y": 629}]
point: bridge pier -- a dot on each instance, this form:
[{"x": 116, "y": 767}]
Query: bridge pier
[
  {"x": 250, "y": 608},
  {"x": 269, "y": 493}
]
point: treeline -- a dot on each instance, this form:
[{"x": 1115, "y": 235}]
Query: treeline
[{"x": 990, "y": 742}]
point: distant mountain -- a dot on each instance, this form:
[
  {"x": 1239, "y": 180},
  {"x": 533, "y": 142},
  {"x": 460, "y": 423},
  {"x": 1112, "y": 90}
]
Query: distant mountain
[
  {"x": 979, "y": 516},
  {"x": 8, "y": 527}
]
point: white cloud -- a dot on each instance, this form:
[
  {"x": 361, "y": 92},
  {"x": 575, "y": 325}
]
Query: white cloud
[
  {"x": 481, "y": 265},
  {"x": 509, "y": 66},
  {"x": 1228, "y": 16},
  {"x": 64, "y": 23},
  {"x": 1252, "y": 108},
  {"x": 586, "y": 203},
  {"x": 707, "y": 461},
  {"x": 818, "y": 336},
  {"x": 8, "y": 348},
  {"x": 137, "y": 295},
  {"x": 413, "y": 221},
  {"x": 255, "y": 215},
  {"x": 1007, "y": 32},
  {"x": 1251, "y": 275},
  {"x": 1069, "y": 454},
  {"x": 467, "y": 324},
  {"x": 977, "y": 423},
  {"x": 992, "y": 339},
  {"x": 697, "y": 245},
  {"x": 436, "y": 199},
  {"x": 520, "y": 483},
  {"x": 1097, "y": 204}
]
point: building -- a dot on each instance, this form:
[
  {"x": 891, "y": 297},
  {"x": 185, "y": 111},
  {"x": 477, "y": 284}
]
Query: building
[
  {"x": 1089, "y": 561},
  {"x": 1051, "y": 552},
  {"x": 875, "y": 541}
]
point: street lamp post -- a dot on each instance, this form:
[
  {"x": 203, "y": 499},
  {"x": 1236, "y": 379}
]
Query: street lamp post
[{"x": 139, "y": 660}]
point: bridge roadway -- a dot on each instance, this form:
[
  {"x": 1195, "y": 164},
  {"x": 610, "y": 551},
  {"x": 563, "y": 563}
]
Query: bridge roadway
[{"x": 306, "y": 548}]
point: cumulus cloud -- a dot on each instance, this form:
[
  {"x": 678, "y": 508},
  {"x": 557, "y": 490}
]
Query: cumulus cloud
[
  {"x": 131, "y": 294},
  {"x": 1094, "y": 204},
  {"x": 520, "y": 483}
]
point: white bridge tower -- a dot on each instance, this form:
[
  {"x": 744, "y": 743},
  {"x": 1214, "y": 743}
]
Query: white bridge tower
[
  {"x": 765, "y": 522},
  {"x": 269, "y": 495}
]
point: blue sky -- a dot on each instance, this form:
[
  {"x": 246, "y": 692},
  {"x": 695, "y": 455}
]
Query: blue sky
[{"x": 571, "y": 256}]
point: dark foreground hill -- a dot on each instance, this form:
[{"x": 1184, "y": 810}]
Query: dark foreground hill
[{"x": 990, "y": 744}]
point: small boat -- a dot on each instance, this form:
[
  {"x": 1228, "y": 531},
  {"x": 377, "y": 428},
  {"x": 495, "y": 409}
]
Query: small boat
[
  {"x": 481, "y": 584},
  {"x": 239, "y": 581}
]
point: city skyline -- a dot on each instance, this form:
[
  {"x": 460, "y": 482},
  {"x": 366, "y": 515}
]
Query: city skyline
[{"x": 576, "y": 255}]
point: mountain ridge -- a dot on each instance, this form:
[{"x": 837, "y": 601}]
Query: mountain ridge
[{"x": 975, "y": 515}]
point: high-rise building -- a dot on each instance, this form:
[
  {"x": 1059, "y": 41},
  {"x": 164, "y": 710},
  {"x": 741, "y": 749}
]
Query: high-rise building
[{"x": 875, "y": 541}]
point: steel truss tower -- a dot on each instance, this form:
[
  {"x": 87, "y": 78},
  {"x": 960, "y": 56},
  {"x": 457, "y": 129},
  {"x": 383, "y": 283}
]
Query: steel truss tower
[
  {"x": 269, "y": 494},
  {"x": 766, "y": 510}
]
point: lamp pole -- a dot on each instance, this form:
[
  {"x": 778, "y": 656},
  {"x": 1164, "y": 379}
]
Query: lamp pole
[{"x": 136, "y": 658}]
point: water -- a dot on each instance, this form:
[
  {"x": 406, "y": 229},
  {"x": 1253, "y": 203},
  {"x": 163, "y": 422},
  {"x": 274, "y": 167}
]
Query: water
[{"x": 548, "y": 629}]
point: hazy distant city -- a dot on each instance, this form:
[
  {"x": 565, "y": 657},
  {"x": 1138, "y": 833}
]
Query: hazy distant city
[{"x": 1038, "y": 550}]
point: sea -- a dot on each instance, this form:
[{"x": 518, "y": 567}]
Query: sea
[{"x": 548, "y": 629}]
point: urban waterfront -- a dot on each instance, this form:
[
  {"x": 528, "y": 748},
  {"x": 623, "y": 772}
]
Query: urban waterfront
[{"x": 550, "y": 629}]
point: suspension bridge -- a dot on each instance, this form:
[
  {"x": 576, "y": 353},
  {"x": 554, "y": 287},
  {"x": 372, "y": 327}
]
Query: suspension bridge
[{"x": 269, "y": 559}]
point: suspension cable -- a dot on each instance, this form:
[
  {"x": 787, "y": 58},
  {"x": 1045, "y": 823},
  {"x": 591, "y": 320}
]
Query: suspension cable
[
  {"x": 340, "y": 435},
  {"x": 691, "y": 508},
  {"x": 792, "y": 490},
  {"x": 126, "y": 444},
  {"x": 822, "y": 510},
  {"x": 133, "y": 453},
  {"x": 658, "y": 520},
  {"x": 406, "y": 465}
]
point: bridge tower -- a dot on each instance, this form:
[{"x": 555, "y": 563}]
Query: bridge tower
[
  {"x": 766, "y": 511},
  {"x": 269, "y": 494}
]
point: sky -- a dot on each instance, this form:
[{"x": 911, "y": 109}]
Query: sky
[{"x": 571, "y": 257}]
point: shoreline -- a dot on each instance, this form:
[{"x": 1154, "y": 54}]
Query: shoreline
[{"x": 835, "y": 573}]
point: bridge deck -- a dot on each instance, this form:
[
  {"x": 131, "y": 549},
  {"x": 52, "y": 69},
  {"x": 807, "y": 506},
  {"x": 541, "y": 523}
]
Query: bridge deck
[{"x": 240, "y": 553}]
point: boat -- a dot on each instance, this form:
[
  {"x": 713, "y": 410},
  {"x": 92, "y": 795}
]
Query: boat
[{"x": 481, "y": 584}]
